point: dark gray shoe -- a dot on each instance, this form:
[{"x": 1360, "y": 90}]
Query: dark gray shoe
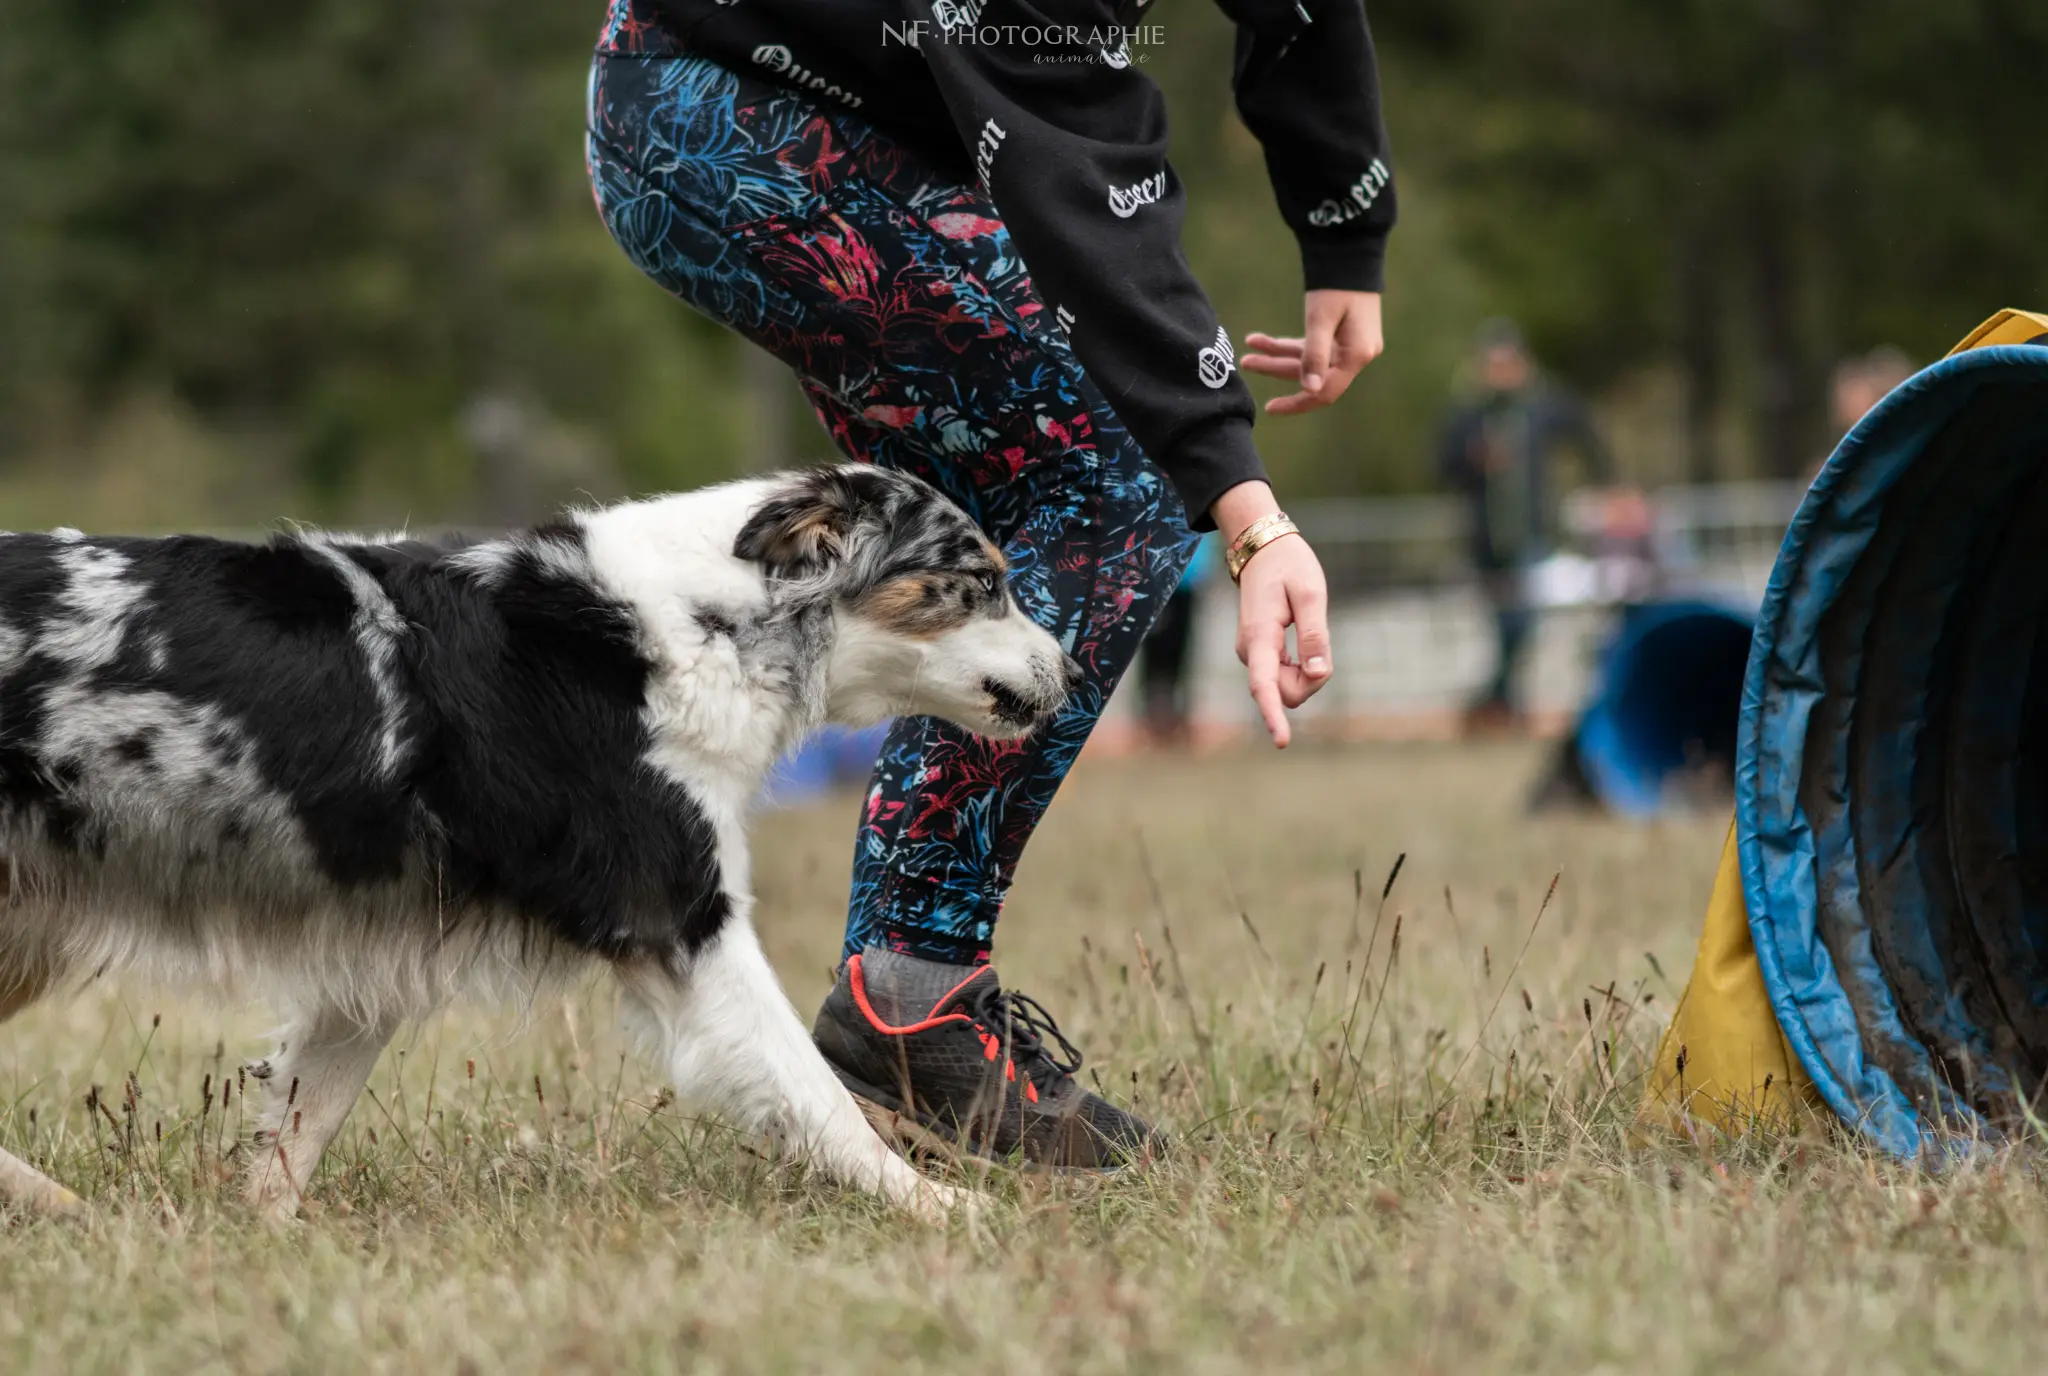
[{"x": 942, "y": 1050}]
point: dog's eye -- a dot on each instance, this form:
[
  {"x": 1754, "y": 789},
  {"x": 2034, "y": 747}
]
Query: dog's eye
[{"x": 988, "y": 585}]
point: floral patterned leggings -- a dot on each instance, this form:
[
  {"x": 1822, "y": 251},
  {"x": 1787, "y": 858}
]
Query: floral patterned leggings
[{"x": 914, "y": 330}]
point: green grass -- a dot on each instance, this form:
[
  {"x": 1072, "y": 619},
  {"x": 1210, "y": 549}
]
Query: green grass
[{"x": 1400, "y": 1149}]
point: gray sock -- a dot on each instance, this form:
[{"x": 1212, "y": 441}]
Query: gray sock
[{"x": 903, "y": 988}]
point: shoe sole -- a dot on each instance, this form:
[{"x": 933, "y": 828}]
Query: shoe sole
[
  {"x": 915, "y": 1132},
  {"x": 906, "y": 1133}
]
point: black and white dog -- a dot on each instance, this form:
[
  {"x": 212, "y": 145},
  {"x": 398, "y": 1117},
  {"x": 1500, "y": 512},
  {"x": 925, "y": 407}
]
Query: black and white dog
[{"x": 364, "y": 777}]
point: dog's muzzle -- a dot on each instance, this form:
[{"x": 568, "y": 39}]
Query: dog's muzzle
[{"x": 1025, "y": 708}]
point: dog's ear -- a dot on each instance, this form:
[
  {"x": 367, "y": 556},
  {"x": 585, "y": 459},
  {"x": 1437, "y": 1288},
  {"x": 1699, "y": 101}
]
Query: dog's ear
[{"x": 803, "y": 529}]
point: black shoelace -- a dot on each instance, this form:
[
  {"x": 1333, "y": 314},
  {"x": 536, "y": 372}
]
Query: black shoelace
[{"x": 1027, "y": 1025}]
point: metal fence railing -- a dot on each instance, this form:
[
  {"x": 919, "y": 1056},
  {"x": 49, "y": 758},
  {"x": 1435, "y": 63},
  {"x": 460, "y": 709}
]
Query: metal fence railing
[
  {"x": 1414, "y": 635},
  {"x": 1722, "y": 531}
]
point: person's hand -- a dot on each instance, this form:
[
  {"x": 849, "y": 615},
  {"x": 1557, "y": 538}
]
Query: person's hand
[
  {"x": 1281, "y": 586},
  {"x": 1341, "y": 334}
]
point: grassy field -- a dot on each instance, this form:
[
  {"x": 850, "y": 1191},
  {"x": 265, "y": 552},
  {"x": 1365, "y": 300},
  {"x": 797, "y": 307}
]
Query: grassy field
[{"x": 1404, "y": 1141}]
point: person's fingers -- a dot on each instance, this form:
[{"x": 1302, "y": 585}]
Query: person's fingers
[
  {"x": 1271, "y": 356},
  {"x": 1262, "y": 673},
  {"x": 1351, "y": 348},
  {"x": 1336, "y": 343},
  {"x": 1296, "y": 687},
  {"x": 1296, "y": 403},
  {"x": 1268, "y": 699},
  {"x": 1336, "y": 382},
  {"x": 1299, "y": 681},
  {"x": 1272, "y": 365},
  {"x": 1315, "y": 349},
  {"x": 1273, "y": 344},
  {"x": 1358, "y": 342}
]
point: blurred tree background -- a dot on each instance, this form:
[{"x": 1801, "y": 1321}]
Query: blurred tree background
[{"x": 338, "y": 260}]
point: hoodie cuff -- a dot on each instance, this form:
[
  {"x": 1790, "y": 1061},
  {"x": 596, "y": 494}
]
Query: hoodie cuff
[
  {"x": 1343, "y": 264},
  {"x": 1209, "y": 462}
]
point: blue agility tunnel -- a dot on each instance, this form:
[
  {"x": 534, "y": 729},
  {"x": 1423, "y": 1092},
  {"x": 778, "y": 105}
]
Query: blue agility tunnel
[
  {"x": 1668, "y": 694},
  {"x": 1892, "y": 761}
]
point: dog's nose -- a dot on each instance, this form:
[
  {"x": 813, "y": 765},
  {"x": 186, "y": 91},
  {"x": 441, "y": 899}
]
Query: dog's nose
[{"x": 1076, "y": 675}]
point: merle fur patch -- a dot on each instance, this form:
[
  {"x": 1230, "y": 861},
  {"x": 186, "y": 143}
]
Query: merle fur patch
[{"x": 403, "y": 732}]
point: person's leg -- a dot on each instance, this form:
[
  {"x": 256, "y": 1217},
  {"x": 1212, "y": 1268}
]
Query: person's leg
[
  {"x": 1512, "y": 622},
  {"x": 1164, "y": 663},
  {"x": 1515, "y": 622},
  {"x": 899, "y": 299},
  {"x": 1003, "y": 418},
  {"x": 948, "y": 814}
]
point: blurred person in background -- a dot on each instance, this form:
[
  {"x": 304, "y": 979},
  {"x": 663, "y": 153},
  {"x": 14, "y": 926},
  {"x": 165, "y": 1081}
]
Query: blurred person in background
[
  {"x": 1169, "y": 652},
  {"x": 1862, "y": 381},
  {"x": 1626, "y": 567},
  {"x": 960, "y": 230},
  {"x": 1858, "y": 383},
  {"x": 1504, "y": 443}
]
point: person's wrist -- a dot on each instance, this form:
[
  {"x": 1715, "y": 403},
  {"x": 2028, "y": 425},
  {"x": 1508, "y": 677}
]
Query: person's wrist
[{"x": 1241, "y": 505}]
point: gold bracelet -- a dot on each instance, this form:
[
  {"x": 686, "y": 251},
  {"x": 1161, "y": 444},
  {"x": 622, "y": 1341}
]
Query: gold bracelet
[{"x": 1254, "y": 538}]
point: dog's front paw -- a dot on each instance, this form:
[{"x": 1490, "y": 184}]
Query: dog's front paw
[
  {"x": 268, "y": 1189},
  {"x": 939, "y": 1204}
]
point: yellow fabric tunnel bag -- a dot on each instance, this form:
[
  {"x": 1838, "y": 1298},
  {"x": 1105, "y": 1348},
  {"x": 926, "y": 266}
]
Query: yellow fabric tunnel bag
[{"x": 1723, "y": 1062}]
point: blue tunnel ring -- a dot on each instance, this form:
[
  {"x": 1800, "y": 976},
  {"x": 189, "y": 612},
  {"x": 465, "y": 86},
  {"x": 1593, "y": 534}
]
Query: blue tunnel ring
[{"x": 1889, "y": 760}]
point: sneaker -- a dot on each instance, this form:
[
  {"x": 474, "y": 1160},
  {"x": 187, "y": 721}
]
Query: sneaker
[{"x": 933, "y": 1050}]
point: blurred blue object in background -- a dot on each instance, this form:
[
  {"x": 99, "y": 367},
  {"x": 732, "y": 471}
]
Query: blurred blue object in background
[
  {"x": 836, "y": 757},
  {"x": 1666, "y": 706}
]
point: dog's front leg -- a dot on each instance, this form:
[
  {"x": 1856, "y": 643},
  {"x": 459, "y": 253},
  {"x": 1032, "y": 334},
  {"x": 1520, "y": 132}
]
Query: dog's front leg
[
  {"x": 323, "y": 1060},
  {"x": 721, "y": 1026},
  {"x": 20, "y": 1183}
]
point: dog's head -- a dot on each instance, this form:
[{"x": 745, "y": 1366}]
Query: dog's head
[{"x": 924, "y": 619}]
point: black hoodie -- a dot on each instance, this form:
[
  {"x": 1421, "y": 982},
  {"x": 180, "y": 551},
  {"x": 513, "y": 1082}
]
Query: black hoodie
[{"x": 1046, "y": 103}]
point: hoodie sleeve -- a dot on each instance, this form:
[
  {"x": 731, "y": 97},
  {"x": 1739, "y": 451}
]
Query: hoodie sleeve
[
  {"x": 1308, "y": 88},
  {"x": 1073, "y": 153}
]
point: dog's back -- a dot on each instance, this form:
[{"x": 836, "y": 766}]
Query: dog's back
[{"x": 376, "y": 764}]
